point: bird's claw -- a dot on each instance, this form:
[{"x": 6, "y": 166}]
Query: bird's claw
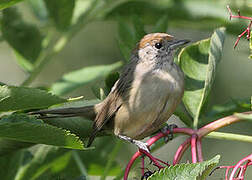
[
  {"x": 169, "y": 128},
  {"x": 143, "y": 146}
]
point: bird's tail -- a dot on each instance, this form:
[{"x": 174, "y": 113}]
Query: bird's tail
[{"x": 87, "y": 112}]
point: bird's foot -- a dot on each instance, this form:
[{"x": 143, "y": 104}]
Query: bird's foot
[
  {"x": 169, "y": 128},
  {"x": 141, "y": 145}
]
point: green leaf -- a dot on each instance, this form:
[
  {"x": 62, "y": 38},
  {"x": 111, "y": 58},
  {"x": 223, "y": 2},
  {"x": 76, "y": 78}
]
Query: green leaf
[
  {"x": 196, "y": 171},
  {"x": 126, "y": 38},
  {"x": 11, "y": 162},
  {"x": 199, "y": 62},
  {"x": 161, "y": 25},
  {"x": 45, "y": 158},
  {"x": 8, "y": 3},
  {"x": 38, "y": 8},
  {"x": 183, "y": 115},
  {"x": 24, "y": 38},
  {"x": 22, "y": 98},
  {"x": 61, "y": 12},
  {"x": 23, "y": 128},
  {"x": 222, "y": 110},
  {"x": 110, "y": 80},
  {"x": 96, "y": 161},
  {"x": 81, "y": 77},
  {"x": 138, "y": 28}
]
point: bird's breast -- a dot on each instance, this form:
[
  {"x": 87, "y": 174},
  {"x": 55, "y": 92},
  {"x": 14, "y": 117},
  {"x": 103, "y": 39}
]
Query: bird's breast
[{"x": 152, "y": 93}]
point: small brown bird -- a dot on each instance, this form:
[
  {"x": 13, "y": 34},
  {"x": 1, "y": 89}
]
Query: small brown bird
[{"x": 144, "y": 97}]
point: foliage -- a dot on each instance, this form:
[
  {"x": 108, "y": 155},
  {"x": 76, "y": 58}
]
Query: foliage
[
  {"x": 36, "y": 43},
  {"x": 195, "y": 171}
]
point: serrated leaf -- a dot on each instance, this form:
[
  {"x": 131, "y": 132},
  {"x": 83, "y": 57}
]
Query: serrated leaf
[
  {"x": 199, "y": 62},
  {"x": 61, "y": 12},
  {"x": 196, "y": 171},
  {"x": 8, "y": 3},
  {"x": 23, "y": 128},
  {"x": 81, "y": 77},
  {"x": 23, "y": 98},
  {"x": 24, "y": 38}
]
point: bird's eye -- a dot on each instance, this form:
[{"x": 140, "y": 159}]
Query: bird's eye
[{"x": 158, "y": 45}]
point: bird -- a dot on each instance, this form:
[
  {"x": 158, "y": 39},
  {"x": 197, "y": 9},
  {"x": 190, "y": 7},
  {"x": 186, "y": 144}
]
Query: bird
[{"x": 144, "y": 97}]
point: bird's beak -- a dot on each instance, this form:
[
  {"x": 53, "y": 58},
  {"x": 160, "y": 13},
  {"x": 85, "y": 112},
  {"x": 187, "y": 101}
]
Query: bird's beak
[{"x": 179, "y": 43}]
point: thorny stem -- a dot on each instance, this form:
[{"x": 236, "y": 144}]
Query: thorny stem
[{"x": 195, "y": 140}]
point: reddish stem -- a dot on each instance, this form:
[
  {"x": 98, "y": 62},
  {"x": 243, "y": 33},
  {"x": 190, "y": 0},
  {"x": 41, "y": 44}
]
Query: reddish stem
[
  {"x": 142, "y": 165},
  {"x": 181, "y": 149},
  {"x": 154, "y": 160},
  {"x": 196, "y": 144},
  {"x": 239, "y": 165},
  {"x": 130, "y": 163},
  {"x": 215, "y": 125},
  {"x": 199, "y": 150},
  {"x": 193, "y": 148},
  {"x": 239, "y": 16}
]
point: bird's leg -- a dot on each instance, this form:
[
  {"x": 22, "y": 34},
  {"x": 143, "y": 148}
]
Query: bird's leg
[
  {"x": 169, "y": 128},
  {"x": 139, "y": 144}
]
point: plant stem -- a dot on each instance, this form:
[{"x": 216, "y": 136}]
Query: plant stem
[
  {"x": 79, "y": 163},
  {"x": 229, "y": 136},
  {"x": 193, "y": 148},
  {"x": 111, "y": 159},
  {"x": 215, "y": 125}
]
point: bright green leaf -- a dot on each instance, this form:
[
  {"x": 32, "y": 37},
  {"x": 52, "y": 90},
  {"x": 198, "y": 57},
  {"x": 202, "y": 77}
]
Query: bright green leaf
[
  {"x": 24, "y": 38},
  {"x": 81, "y": 77},
  {"x": 24, "y": 98},
  {"x": 8, "y": 3},
  {"x": 61, "y": 12},
  {"x": 196, "y": 171},
  {"x": 199, "y": 62},
  {"x": 23, "y": 128}
]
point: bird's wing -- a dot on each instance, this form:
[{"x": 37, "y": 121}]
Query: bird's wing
[{"x": 113, "y": 101}]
